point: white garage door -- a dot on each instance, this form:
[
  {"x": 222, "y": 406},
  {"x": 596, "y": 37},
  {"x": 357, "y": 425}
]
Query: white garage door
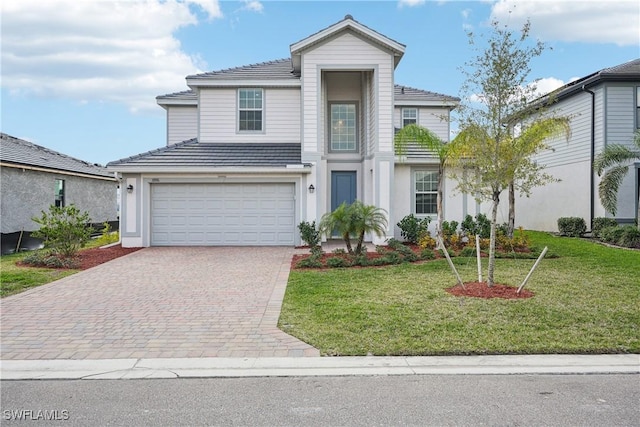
[{"x": 222, "y": 214}]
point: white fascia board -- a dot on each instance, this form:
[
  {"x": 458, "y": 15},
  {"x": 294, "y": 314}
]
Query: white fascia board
[
  {"x": 194, "y": 83},
  {"x": 442, "y": 104},
  {"x": 163, "y": 102},
  {"x": 357, "y": 27},
  {"x": 306, "y": 169}
]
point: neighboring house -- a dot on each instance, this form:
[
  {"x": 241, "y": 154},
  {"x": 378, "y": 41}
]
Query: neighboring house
[
  {"x": 34, "y": 178},
  {"x": 604, "y": 108},
  {"x": 253, "y": 151}
]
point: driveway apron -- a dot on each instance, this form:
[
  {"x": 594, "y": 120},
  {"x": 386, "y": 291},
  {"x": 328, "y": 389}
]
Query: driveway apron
[{"x": 158, "y": 302}]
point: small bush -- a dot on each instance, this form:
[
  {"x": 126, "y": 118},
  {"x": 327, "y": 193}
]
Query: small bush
[
  {"x": 412, "y": 227},
  {"x": 317, "y": 251},
  {"x": 381, "y": 249},
  {"x": 392, "y": 258},
  {"x": 627, "y": 236},
  {"x": 572, "y": 226},
  {"x": 107, "y": 237},
  {"x": 63, "y": 229},
  {"x": 49, "y": 260},
  {"x": 361, "y": 260},
  {"x": 338, "y": 261},
  {"x": 338, "y": 251},
  {"x": 600, "y": 223},
  {"x": 427, "y": 242},
  {"x": 481, "y": 226},
  {"x": 427, "y": 254},
  {"x": 468, "y": 252},
  {"x": 310, "y": 262},
  {"x": 449, "y": 228},
  {"x": 309, "y": 233}
]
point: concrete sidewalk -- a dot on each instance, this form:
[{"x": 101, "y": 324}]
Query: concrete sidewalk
[{"x": 218, "y": 367}]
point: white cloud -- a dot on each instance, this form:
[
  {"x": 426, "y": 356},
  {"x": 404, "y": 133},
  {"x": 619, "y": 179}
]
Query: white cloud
[
  {"x": 253, "y": 6},
  {"x": 614, "y": 21},
  {"x": 410, "y": 3},
  {"x": 98, "y": 51}
]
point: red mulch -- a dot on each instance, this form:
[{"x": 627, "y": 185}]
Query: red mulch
[
  {"x": 481, "y": 290},
  {"x": 95, "y": 256}
]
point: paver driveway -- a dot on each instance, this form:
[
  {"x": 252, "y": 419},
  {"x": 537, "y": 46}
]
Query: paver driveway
[{"x": 157, "y": 302}]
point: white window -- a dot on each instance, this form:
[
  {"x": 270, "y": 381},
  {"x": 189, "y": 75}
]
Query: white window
[
  {"x": 409, "y": 116},
  {"x": 426, "y": 192},
  {"x": 250, "y": 110},
  {"x": 638, "y": 107},
  {"x": 343, "y": 127}
]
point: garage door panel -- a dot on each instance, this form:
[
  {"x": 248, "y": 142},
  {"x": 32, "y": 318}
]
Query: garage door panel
[{"x": 222, "y": 214}]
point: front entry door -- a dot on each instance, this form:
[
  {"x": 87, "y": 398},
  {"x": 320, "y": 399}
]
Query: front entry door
[{"x": 343, "y": 188}]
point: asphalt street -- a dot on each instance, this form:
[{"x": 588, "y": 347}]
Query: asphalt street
[{"x": 425, "y": 400}]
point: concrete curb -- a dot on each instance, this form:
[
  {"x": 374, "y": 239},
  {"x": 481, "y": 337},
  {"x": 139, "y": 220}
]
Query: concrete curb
[{"x": 321, "y": 366}]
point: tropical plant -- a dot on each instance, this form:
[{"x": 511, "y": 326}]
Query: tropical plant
[
  {"x": 412, "y": 227},
  {"x": 309, "y": 233},
  {"x": 354, "y": 221},
  {"x": 426, "y": 139},
  {"x": 613, "y": 165},
  {"x": 64, "y": 229}
]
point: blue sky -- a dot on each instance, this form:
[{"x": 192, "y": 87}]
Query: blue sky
[{"x": 81, "y": 76}]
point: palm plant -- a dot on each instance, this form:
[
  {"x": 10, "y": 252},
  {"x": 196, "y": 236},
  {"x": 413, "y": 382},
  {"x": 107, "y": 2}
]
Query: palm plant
[
  {"x": 426, "y": 139},
  {"x": 613, "y": 165},
  {"x": 354, "y": 220}
]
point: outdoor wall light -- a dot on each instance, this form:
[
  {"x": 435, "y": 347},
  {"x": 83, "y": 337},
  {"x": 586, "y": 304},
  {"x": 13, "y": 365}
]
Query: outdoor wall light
[
  {"x": 129, "y": 188},
  {"x": 312, "y": 189}
]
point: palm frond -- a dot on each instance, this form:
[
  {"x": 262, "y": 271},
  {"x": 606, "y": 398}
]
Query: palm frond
[
  {"x": 612, "y": 155},
  {"x": 419, "y": 135},
  {"x": 608, "y": 187}
]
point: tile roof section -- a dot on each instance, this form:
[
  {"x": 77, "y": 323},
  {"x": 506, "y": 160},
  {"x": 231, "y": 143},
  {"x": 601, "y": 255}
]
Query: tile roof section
[
  {"x": 406, "y": 93},
  {"x": 280, "y": 69},
  {"x": 20, "y": 152},
  {"x": 185, "y": 94},
  {"x": 196, "y": 154}
]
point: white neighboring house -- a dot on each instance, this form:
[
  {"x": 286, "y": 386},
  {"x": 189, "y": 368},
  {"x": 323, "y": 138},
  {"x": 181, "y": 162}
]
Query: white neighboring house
[
  {"x": 253, "y": 151},
  {"x": 605, "y": 109}
]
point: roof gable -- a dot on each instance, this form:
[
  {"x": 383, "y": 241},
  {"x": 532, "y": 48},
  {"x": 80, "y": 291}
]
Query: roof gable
[
  {"x": 347, "y": 24},
  {"x": 17, "y": 151}
]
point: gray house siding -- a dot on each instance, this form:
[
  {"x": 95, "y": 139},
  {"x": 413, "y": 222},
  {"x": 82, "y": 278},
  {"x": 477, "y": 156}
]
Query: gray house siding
[{"x": 26, "y": 193}]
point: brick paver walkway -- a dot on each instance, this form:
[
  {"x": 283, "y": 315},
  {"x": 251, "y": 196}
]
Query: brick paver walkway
[{"x": 157, "y": 302}]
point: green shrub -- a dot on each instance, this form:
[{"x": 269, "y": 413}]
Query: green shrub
[
  {"x": 427, "y": 254},
  {"x": 467, "y": 252},
  {"x": 338, "y": 261},
  {"x": 572, "y": 226},
  {"x": 310, "y": 262},
  {"x": 449, "y": 228},
  {"x": 361, "y": 260},
  {"x": 64, "y": 229},
  {"x": 630, "y": 237},
  {"x": 601, "y": 223},
  {"x": 481, "y": 226},
  {"x": 394, "y": 244},
  {"x": 338, "y": 251},
  {"x": 49, "y": 260},
  {"x": 412, "y": 227},
  {"x": 611, "y": 234},
  {"x": 107, "y": 237},
  {"x": 317, "y": 251},
  {"x": 309, "y": 233},
  {"x": 392, "y": 258}
]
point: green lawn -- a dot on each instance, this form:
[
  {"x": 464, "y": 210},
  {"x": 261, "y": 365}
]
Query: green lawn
[{"x": 586, "y": 301}]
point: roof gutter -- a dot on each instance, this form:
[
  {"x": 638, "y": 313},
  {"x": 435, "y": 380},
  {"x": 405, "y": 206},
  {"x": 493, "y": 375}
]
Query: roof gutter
[
  {"x": 593, "y": 152},
  {"x": 56, "y": 171}
]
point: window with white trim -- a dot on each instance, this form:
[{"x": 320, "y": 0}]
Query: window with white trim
[
  {"x": 409, "y": 116},
  {"x": 250, "y": 109},
  {"x": 343, "y": 127},
  {"x": 426, "y": 192}
]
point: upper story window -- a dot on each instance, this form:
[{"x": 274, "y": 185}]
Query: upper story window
[
  {"x": 409, "y": 116},
  {"x": 638, "y": 107},
  {"x": 426, "y": 192},
  {"x": 250, "y": 109},
  {"x": 343, "y": 127},
  {"x": 59, "y": 193}
]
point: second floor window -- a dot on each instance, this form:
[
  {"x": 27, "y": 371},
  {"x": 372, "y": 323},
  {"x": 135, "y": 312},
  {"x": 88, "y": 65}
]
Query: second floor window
[
  {"x": 343, "y": 127},
  {"x": 409, "y": 116},
  {"x": 638, "y": 107},
  {"x": 250, "y": 109},
  {"x": 59, "y": 193}
]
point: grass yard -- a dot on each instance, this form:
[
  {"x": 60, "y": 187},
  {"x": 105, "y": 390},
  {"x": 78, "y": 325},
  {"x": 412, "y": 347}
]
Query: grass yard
[
  {"x": 15, "y": 279},
  {"x": 586, "y": 301}
]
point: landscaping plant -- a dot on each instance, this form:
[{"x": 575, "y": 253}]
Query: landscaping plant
[
  {"x": 354, "y": 221},
  {"x": 64, "y": 230}
]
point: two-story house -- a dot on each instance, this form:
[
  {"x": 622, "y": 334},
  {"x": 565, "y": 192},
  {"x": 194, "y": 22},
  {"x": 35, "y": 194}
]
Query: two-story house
[
  {"x": 252, "y": 151},
  {"x": 604, "y": 108}
]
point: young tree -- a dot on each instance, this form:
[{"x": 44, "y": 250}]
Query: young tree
[
  {"x": 64, "y": 229},
  {"x": 615, "y": 159},
  {"x": 424, "y": 138},
  {"x": 487, "y": 150}
]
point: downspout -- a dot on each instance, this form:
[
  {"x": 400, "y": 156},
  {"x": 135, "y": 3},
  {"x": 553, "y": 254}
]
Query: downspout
[{"x": 593, "y": 152}]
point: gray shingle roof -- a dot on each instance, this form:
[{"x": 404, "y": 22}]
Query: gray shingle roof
[
  {"x": 280, "y": 69},
  {"x": 194, "y": 153},
  {"x": 20, "y": 152},
  {"x": 406, "y": 93},
  {"x": 185, "y": 94}
]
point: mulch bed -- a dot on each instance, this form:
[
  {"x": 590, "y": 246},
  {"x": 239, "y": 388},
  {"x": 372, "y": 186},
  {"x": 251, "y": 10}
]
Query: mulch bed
[
  {"x": 95, "y": 256},
  {"x": 481, "y": 290}
]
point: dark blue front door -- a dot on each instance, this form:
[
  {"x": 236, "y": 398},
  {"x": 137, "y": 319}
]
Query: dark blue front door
[{"x": 343, "y": 188}]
